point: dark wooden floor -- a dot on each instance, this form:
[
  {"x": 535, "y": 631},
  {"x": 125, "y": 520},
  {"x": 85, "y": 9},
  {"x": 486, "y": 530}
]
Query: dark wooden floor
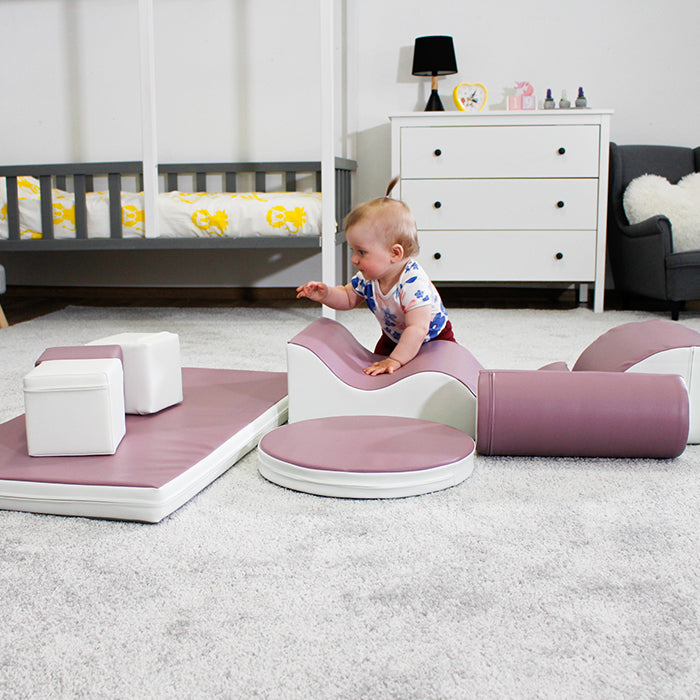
[{"x": 25, "y": 303}]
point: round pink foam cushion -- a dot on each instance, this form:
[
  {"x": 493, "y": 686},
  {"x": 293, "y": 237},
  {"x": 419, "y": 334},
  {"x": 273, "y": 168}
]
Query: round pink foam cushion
[{"x": 367, "y": 444}]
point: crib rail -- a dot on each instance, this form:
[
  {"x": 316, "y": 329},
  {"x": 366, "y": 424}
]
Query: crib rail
[{"x": 82, "y": 177}]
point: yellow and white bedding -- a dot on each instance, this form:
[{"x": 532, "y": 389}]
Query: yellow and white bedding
[{"x": 181, "y": 214}]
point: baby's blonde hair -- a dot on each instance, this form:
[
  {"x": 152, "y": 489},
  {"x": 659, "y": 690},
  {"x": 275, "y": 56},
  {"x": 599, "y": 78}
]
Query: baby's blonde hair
[{"x": 399, "y": 223}]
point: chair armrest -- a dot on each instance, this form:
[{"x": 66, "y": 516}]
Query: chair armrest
[
  {"x": 638, "y": 254},
  {"x": 658, "y": 225}
]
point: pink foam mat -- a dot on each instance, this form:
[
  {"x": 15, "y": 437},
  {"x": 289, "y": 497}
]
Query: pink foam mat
[{"x": 217, "y": 404}]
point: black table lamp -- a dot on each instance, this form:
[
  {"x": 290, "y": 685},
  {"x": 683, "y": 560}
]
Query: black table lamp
[{"x": 434, "y": 55}]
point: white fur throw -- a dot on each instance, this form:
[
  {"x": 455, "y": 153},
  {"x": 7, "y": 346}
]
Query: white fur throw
[{"x": 649, "y": 195}]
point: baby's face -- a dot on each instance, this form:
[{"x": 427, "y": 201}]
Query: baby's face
[{"x": 371, "y": 255}]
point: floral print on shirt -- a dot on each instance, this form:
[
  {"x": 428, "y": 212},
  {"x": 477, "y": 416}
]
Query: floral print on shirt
[{"x": 413, "y": 290}]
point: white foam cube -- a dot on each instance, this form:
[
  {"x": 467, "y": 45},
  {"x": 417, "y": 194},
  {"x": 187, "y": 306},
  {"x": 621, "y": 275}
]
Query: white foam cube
[
  {"x": 152, "y": 370},
  {"x": 74, "y": 407}
]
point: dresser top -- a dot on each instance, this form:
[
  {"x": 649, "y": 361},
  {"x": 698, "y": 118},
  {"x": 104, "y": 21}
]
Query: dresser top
[{"x": 523, "y": 116}]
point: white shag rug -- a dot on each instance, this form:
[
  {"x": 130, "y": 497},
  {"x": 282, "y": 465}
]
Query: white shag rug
[{"x": 535, "y": 578}]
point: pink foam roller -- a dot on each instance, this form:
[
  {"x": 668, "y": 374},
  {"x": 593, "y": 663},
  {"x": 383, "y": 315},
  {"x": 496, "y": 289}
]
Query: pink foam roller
[{"x": 581, "y": 414}]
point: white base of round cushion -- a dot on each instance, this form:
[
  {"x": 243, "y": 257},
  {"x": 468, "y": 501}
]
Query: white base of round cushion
[{"x": 388, "y": 481}]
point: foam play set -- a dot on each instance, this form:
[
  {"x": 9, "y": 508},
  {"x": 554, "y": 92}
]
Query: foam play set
[{"x": 118, "y": 429}]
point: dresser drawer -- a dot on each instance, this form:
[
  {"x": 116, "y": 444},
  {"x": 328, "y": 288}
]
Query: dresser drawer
[
  {"x": 502, "y": 256},
  {"x": 499, "y": 151},
  {"x": 502, "y": 204}
]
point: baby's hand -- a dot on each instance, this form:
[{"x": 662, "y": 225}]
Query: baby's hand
[
  {"x": 386, "y": 366},
  {"x": 316, "y": 291}
]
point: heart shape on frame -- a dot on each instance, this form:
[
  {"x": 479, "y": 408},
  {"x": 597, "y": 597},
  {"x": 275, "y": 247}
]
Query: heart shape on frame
[
  {"x": 649, "y": 195},
  {"x": 470, "y": 97}
]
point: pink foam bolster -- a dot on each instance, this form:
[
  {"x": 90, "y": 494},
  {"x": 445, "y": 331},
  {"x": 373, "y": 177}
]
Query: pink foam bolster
[
  {"x": 584, "y": 414},
  {"x": 626, "y": 345},
  {"x": 81, "y": 352},
  {"x": 367, "y": 444},
  {"x": 338, "y": 349}
]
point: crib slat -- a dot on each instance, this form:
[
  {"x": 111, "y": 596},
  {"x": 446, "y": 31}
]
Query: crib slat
[
  {"x": 290, "y": 181},
  {"x": 230, "y": 182},
  {"x": 46, "y": 207},
  {"x": 114, "y": 181},
  {"x": 79, "y": 186},
  {"x": 12, "y": 207},
  {"x": 260, "y": 185},
  {"x": 171, "y": 182},
  {"x": 338, "y": 197},
  {"x": 61, "y": 182},
  {"x": 318, "y": 181},
  {"x": 201, "y": 182}
]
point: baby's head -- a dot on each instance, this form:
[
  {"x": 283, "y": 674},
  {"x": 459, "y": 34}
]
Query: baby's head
[{"x": 393, "y": 219}]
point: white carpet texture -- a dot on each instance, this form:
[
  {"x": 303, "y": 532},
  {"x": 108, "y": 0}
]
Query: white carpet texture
[{"x": 535, "y": 578}]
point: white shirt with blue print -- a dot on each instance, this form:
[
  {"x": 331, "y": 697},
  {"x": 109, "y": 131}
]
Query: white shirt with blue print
[{"x": 413, "y": 290}]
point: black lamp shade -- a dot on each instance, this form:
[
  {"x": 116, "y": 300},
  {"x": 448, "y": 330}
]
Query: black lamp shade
[{"x": 434, "y": 55}]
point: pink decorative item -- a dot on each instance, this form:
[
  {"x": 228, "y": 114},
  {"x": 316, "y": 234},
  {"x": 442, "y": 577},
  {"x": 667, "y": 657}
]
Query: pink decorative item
[
  {"x": 524, "y": 97},
  {"x": 515, "y": 102}
]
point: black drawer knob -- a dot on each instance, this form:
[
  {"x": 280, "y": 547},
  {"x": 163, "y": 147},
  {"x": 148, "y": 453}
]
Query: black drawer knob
[
  {"x": 560, "y": 204},
  {"x": 561, "y": 151},
  {"x": 438, "y": 152},
  {"x": 437, "y": 205},
  {"x": 437, "y": 256},
  {"x": 559, "y": 256}
]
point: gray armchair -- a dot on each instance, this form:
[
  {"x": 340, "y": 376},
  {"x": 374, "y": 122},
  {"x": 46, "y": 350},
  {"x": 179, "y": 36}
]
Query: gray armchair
[{"x": 641, "y": 256}]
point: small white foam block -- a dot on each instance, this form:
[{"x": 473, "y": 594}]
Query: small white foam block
[
  {"x": 152, "y": 370},
  {"x": 74, "y": 407}
]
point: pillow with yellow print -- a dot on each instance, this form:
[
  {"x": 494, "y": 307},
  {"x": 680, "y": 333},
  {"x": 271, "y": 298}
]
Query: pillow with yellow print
[{"x": 240, "y": 214}]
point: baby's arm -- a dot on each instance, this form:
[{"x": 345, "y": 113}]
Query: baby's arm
[
  {"x": 417, "y": 325},
  {"x": 340, "y": 298}
]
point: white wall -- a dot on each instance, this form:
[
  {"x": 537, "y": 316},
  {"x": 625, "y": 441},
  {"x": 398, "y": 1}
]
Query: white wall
[
  {"x": 235, "y": 79},
  {"x": 638, "y": 57},
  {"x": 239, "y": 79}
]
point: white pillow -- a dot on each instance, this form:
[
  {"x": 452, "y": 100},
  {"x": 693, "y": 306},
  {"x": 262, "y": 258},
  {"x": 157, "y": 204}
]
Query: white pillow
[{"x": 649, "y": 195}]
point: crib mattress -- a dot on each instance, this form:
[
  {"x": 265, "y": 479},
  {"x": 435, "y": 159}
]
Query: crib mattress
[
  {"x": 180, "y": 214},
  {"x": 164, "y": 460}
]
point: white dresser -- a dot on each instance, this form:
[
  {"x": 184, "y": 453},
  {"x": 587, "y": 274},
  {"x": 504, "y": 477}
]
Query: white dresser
[{"x": 507, "y": 196}]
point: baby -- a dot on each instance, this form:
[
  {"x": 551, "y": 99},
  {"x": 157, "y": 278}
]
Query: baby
[{"x": 382, "y": 236}]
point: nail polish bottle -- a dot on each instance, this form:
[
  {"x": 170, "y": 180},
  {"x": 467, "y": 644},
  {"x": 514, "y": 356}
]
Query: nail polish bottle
[
  {"x": 581, "y": 100},
  {"x": 549, "y": 100}
]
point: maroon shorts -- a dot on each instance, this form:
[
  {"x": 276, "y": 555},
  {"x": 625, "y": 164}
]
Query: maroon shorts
[{"x": 385, "y": 346}]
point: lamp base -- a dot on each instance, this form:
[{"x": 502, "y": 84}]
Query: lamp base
[{"x": 434, "y": 103}]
